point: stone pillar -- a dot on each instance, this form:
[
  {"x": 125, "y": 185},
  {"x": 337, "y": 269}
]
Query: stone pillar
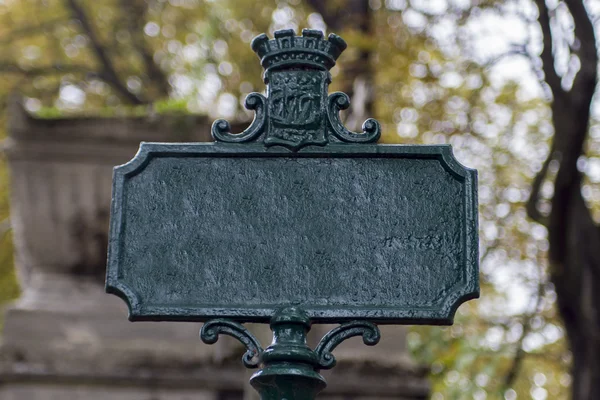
[{"x": 65, "y": 338}]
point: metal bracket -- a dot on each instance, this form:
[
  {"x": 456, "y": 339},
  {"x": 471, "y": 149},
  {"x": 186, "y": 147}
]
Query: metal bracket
[
  {"x": 289, "y": 368},
  {"x": 212, "y": 329},
  {"x": 370, "y": 333}
]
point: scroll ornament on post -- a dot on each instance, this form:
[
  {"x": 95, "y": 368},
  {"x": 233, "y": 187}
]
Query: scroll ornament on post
[{"x": 297, "y": 110}]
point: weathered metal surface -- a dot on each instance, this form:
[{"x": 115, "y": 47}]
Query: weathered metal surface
[
  {"x": 294, "y": 211},
  {"x": 384, "y": 233}
]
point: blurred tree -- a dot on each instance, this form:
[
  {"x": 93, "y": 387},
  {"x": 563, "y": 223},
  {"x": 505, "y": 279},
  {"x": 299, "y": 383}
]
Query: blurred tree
[
  {"x": 353, "y": 19},
  {"x": 432, "y": 73},
  {"x": 572, "y": 232}
]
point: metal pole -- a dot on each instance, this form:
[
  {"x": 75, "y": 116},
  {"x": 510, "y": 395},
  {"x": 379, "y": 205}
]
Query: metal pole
[{"x": 289, "y": 368}]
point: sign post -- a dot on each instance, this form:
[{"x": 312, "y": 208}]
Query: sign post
[{"x": 294, "y": 221}]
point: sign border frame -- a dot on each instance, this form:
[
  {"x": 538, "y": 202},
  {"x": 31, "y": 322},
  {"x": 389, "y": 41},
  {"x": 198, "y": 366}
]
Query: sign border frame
[{"x": 438, "y": 315}]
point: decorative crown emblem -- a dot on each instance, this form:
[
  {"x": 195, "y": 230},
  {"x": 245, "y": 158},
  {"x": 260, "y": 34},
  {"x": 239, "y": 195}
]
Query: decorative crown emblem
[
  {"x": 310, "y": 49},
  {"x": 297, "y": 111}
]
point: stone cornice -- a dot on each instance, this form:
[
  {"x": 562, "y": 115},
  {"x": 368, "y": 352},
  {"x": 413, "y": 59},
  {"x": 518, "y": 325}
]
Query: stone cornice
[{"x": 111, "y": 140}]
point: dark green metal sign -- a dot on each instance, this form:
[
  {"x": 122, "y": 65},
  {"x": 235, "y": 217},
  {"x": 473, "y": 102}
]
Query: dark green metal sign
[
  {"x": 295, "y": 220},
  {"x": 294, "y": 211}
]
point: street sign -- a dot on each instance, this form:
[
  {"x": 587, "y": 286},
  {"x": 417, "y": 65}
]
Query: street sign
[
  {"x": 296, "y": 211},
  {"x": 294, "y": 221}
]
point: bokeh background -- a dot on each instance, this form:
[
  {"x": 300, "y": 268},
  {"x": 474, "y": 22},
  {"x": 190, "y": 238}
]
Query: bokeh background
[{"x": 510, "y": 84}]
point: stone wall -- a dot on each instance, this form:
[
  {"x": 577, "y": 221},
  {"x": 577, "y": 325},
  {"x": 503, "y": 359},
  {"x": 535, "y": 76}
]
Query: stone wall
[{"x": 66, "y": 339}]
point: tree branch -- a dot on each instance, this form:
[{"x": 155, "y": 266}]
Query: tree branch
[
  {"x": 552, "y": 78},
  {"x": 12, "y": 68},
  {"x": 358, "y": 83},
  {"x": 517, "y": 50},
  {"x": 32, "y": 29},
  {"x": 520, "y": 353},
  {"x": 108, "y": 72},
  {"x": 321, "y": 7},
  {"x": 531, "y": 207},
  {"x": 134, "y": 11},
  {"x": 585, "y": 81},
  {"x": 353, "y": 14}
]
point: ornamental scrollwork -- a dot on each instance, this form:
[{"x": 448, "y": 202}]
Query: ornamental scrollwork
[
  {"x": 221, "y": 130},
  {"x": 371, "y": 128},
  {"x": 212, "y": 329},
  {"x": 296, "y": 111},
  {"x": 369, "y": 331}
]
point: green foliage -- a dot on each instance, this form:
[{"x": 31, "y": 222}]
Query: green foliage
[
  {"x": 171, "y": 106},
  {"x": 49, "y": 113},
  {"x": 9, "y": 288}
]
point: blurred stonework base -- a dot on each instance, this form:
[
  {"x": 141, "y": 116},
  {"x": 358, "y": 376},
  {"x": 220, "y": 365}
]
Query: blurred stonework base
[{"x": 66, "y": 339}]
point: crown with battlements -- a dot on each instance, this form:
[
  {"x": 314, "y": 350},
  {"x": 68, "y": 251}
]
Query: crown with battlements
[{"x": 288, "y": 50}]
